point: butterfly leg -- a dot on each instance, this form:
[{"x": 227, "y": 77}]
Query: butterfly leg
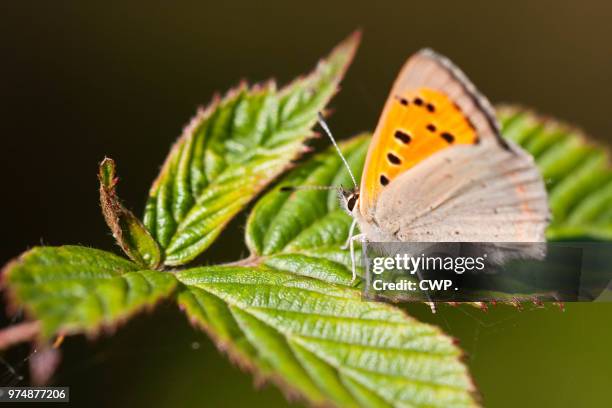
[
  {"x": 350, "y": 235},
  {"x": 360, "y": 238},
  {"x": 431, "y": 304}
]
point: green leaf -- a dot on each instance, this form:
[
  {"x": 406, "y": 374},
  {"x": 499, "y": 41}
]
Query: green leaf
[
  {"x": 323, "y": 341},
  {"x": 286, "y": 312},
  {"x": 577, "y": 173},
  {"x": 308, "y": 224},
  {"x": 129, "y": 232},
  {"x": 231, "y": 150},
  {"x": 73, "y": 289}
]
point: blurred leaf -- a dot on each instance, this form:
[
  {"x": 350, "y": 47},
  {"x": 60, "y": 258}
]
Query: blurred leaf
[
  {"x": 577, "y": 173},
  {"x": 323, "y": 341},
  {"x": 128, "y": 231},
  {"x": 73, "y": 289},
  {"x": 231, "y": 150}
]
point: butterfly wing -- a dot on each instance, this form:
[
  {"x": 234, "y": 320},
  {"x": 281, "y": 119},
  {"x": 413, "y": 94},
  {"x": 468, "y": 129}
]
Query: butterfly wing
[
  {"x": 431, "y": 107},
  {"x": 467, "y": 193}
]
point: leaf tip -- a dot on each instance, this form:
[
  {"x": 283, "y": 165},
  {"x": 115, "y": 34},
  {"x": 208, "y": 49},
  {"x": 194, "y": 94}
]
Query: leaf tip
[
  {"x": 344, "y": 53},
  {"x": 351, "y": 43}
]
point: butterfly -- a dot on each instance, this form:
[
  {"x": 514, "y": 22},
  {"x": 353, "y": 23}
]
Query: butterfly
[{"x": 438, "y": 169}]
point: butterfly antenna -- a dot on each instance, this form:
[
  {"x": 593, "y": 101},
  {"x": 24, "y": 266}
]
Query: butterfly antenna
[
  {"x": 286, "y": 189},
  {"x": 331, "y": 137}
]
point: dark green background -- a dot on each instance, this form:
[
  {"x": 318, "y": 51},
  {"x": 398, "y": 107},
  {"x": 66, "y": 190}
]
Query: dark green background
[{"x": 80, "y": 81}]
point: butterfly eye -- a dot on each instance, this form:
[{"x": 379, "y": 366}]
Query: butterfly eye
[{"x": 350, "y": 204}]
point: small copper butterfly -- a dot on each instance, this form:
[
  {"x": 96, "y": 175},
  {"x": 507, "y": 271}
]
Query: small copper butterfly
[{"x": 438, "y": 169}]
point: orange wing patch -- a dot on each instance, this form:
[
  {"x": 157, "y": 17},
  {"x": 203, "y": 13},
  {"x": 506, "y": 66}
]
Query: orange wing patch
[{"x": 416, "y": 125}]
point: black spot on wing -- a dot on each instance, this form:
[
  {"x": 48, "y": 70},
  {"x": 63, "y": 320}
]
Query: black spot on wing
[
  {"x": 402, "y": 136},
  {"x": 393, "y": 159},
  {"x": 448, "y": 137}
]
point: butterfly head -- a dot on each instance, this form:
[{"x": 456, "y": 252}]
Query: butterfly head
[{"x": 349, "y": 199}]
